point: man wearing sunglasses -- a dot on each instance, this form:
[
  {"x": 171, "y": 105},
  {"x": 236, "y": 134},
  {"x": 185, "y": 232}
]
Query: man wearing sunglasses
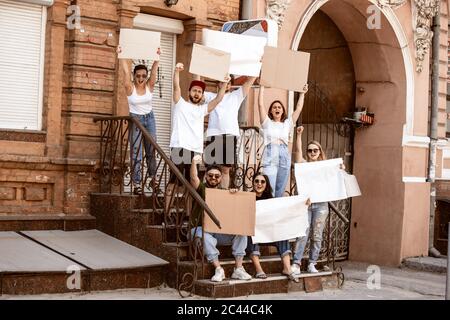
[{"x": 213, "y": 178}]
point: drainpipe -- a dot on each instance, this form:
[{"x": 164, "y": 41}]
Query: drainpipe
[
  {"x": 245, "y": 9},
  {"x": 432, "y": 251}
]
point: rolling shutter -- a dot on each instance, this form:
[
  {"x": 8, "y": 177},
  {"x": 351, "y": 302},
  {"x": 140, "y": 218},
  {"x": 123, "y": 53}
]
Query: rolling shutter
[
  {"x": 22, "y": 32},
  {"x": 162, "y": 93}
]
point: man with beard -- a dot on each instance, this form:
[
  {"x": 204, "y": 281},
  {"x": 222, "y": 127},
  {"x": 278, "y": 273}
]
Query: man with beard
[
  {"x": 187, "y": 121},
  {"x": 213, "y": 179},
  {"x": 223, "y": 128}
]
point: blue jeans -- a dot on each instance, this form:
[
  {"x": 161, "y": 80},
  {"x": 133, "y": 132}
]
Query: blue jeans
[
  {"x": 317, "y": 216},
  {"x": 276, "y": 164},
  {"x": 238, "y": 243},
  {"x": 148, "y": 121},
  {"x": 282, "y": 247}
]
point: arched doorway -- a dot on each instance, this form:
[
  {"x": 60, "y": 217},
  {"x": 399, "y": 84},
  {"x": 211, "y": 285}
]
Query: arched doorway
[
  {"x": 383, "y": 82},
  {"x": 331, "y": 96}
]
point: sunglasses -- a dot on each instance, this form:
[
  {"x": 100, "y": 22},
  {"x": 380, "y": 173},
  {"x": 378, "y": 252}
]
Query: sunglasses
[
  {"x": 313, "y": 150},
  {"x": 210, "y": 175},
  {"x": 141, "y": 76},
  {"x": 260, "y": 181}
]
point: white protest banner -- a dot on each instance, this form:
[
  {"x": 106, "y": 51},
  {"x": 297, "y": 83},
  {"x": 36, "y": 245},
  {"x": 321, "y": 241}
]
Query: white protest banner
[
  {"x": 280, "y": 219},
  {"x": 139, "y": 44},
  {"x": 209, "y": 62},
  {"x": 324, "y": 181},
  {"x": 351, "y": 185},
  {"x": 321, "y": 181},
  {"x": 246, "y": 51},
  {"x": 265, "y": 28}
]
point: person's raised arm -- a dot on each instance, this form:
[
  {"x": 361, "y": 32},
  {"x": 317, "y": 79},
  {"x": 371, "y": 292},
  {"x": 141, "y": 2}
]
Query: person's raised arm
[
  {"x": 247, "y": 85},
  {"x": 298, "y": 143},
  {"x": 195, "y": 181},
  {"x": 152, "y": 80},
  {"x": 262, "y": 109},
  {"x": 176, "y": 82},
  {"x": 126, "y": 73},
  {"x": 213, "y": 103},
  {"x": 299, "y": 107}
]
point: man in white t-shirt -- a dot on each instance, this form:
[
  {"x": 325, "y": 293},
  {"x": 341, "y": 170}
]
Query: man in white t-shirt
[
  {"x": 223, "y": 129},
  {"x": 187, "y": 121}
]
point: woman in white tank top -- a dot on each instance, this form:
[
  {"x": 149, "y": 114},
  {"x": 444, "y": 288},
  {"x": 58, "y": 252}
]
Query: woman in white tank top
[
  {"x": 276, "y": 125},
  {"x": 140, "y": 96}
]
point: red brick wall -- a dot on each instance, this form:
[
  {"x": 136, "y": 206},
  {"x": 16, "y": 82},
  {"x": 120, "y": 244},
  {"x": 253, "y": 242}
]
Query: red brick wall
[{"x": 80, "y": 82}]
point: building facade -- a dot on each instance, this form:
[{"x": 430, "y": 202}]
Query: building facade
[{"x": 60, "y": 71}]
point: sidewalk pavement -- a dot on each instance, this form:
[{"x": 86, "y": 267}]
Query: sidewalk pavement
[
  {"x": 395, "y": 284},
  {"x": 427, "y": 264}
]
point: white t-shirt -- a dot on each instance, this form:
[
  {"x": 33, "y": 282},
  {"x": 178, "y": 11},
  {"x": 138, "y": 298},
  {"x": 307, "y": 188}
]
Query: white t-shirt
[
  {"x": 224, "y": 118},
  {"x": 187, "y": 126},
  {"x": 140, "y": 104},
  {"x": 276, "y": 130}
]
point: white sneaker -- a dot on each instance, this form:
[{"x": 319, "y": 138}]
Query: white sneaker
[
  {"x": 219, "y": 275},
  {"x": 240, "y": 274},
  {"x": 295, "y": 269},
  {"x": 312, "y": 268}
]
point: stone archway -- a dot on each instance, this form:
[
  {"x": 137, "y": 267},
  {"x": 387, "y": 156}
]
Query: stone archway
[{"x": 384, "y": 81}]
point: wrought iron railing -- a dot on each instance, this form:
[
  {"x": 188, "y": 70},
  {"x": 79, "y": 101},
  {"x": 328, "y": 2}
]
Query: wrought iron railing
[
  {"x": 119, "y": 168},
  {"x": 321, "y": 123},
  {"x": 122, "y": 171}
]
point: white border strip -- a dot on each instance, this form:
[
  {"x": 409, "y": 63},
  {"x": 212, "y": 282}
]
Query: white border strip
[
  {"x": 161, "y": 24},
  {"x": 42, "y": 69},
  {"x": 46, "y": 3},
  {"x": 415, "y": 141},
  {"x": 414, "y": 179}
]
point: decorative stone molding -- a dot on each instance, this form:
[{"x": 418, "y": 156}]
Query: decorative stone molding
[
  {"x": 393, "y": 4},
  {"x": 424, "y": 12},
  {"x": 276, "y": 9}
]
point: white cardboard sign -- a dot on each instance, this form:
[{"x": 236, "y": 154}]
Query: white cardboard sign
[
  {"x": 280, "y": 219},
  {"x": 324, "y": 181},
  {"x": 139, "y": 44},
  {"x": 246, "y": 51}
]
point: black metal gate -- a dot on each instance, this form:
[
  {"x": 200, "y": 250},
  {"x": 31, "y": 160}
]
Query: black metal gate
[{"x": 321, "y": 123}]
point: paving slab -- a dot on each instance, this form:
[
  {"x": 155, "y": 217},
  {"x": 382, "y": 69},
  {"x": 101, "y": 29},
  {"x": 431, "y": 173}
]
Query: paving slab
[
  {"x": 95, "y": 249},
  {"x": 427, "y": 264},
  {"x": 19, "y": 254}
]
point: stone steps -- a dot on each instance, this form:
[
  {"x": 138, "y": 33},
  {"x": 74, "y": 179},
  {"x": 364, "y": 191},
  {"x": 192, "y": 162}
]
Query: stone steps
[{"x": 275, "y": 283}]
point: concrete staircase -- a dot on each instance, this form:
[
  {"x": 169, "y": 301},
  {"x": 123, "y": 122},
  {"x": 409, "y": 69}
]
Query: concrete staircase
[{"x": 129, "y": 218}]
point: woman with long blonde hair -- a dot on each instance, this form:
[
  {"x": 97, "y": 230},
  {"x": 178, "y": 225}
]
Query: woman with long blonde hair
[{"x": 317, "y": 212}]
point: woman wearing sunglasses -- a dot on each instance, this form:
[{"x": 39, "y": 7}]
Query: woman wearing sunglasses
[
  {"x": 317, "y": 212},
  {"x": 140, "y": 96},
  {"x": 263, "y": 190},
  {"x": 276, "y": 160}
]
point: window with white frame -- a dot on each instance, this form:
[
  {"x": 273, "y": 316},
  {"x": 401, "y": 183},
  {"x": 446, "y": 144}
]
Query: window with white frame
[{"x": 22, "y": 38}]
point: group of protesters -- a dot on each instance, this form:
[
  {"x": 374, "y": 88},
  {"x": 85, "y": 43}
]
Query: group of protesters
[{"x": 188, "y": 151}]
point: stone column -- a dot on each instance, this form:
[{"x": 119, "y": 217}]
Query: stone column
[
  {"x": 126, "y": 15},
  {"x": 53, "y": 84}
]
